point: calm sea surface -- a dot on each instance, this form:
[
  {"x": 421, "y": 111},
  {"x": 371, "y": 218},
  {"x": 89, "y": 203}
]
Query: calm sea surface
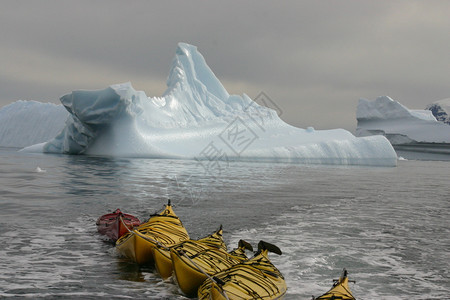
[{"x": 389, "y": 227}]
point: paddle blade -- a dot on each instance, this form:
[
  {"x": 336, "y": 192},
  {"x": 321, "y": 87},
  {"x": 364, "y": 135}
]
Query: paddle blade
[
  {"x": 269, "y": 247},
  {"x": 245, "y": 245}
]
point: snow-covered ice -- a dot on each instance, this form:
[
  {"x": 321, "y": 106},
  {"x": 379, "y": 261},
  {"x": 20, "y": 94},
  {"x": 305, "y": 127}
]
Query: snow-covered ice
[
  {"x": 39, "y": 170},
  {"x": 24, "y": 123},
  {"x": 399, "y": 124},
  {"x": 196, "y": 118}
]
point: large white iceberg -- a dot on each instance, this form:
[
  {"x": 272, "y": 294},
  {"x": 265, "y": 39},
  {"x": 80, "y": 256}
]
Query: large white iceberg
[
  {"x": 398, "y": 123},
  {"x": 196, "y": 118}
]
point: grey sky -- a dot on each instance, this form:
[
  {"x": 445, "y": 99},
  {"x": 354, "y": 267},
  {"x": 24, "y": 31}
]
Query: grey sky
[{"x": 315, "y": 59}]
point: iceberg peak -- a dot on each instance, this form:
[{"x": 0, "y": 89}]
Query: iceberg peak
[
  {"x": 384, "y": 107},
  {"x": 189, "y": 68}
]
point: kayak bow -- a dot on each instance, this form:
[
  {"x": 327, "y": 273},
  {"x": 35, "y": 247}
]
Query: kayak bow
[
  {"x": 340, "y": 289},
  {"x": 163, "y": 229}
]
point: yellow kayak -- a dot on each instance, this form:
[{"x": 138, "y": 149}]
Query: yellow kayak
[
  {"x": 256, "y": 278},
  {"x": 340, "y": 289},
  {"x": 194, "y": 262},
  {"x": 161, "y": 254},
  {"x": 164, "y": 229}
]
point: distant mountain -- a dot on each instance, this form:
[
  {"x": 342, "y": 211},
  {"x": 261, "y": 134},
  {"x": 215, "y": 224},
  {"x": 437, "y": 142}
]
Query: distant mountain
[{"x": 440, "y": 110}]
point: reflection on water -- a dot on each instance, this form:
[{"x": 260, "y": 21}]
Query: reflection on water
[{"x": 130, "y": 271}]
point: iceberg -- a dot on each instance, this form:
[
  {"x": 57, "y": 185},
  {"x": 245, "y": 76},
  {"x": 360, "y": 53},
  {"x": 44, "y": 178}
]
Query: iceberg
[
  {"x": 406, "y": 129},
  {"x": 196, "y": 118},
  {"x": 24, "y": 123},
  {"x": 398, "y": 123}
]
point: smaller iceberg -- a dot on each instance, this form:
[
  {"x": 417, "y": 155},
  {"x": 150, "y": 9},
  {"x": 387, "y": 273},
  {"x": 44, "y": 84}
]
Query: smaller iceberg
[
  {"x": 406, "y": 129},
  {"x": 24, "y": 123}
]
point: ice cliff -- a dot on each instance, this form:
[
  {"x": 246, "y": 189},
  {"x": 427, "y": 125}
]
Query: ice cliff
[
  {"x": 399, "y": 124},
  {"x": 196, "y": 118}
]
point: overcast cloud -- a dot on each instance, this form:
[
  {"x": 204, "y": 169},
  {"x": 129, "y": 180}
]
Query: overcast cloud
[{"x": 315, "y": 59}]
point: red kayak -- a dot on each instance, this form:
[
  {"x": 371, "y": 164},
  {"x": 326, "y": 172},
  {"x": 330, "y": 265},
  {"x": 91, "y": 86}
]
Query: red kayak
[{"x": 116, "y": 224}]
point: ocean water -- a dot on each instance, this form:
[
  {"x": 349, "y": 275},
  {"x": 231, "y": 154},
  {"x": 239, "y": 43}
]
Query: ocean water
[{"x": 389, "y": 227}]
